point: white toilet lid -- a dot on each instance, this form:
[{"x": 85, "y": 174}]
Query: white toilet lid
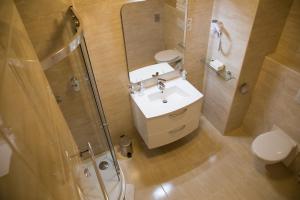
[
  {"x": 168, "y": 56},
  {"x": 273, "y": 146}
]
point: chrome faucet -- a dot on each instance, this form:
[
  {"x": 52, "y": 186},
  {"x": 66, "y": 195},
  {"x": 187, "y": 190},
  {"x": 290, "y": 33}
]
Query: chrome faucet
[
  {"x": 155, "y": 75},
  {"x": 161, "y": 84}
]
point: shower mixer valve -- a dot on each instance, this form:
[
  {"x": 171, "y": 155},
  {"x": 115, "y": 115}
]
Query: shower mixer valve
[{"x": 75, "y": 84}]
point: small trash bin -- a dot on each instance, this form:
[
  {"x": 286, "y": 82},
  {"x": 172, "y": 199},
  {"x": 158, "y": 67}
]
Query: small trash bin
[{"x": 126, "y": 146}]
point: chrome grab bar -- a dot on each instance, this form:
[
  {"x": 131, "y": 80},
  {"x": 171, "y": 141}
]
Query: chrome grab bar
[
  {"x": 66, "y": 50},
  {"x": 178, "y": 113},
  {"x": 99, "y": 177}
]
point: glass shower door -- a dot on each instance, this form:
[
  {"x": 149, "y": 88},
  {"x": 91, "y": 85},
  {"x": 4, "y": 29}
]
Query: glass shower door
[
  {"x": 75, "y": 93},
  {"x": 73, "y": 84}
]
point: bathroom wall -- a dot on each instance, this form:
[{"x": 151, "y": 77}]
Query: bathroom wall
[
  {"x": 45, "y": 23},
  {"x": 39, "y": 135},
  {"x": 237, "y": 17},
  {"x": 273, "y": 100},
  {"x": 288, "y": 49},
  {"x": 143, "y": 35},
  {"x": 78, "y": 107},
  {"x": 268, "y": 25},
  {"x": 274, "y": 96},
  {"x": 104, "y": 37},
  {"x": 200, "y": 11},
  {"x": 103, "y": 32},
  {"x": 251, "y": 31},
  {"x": 49, "y": 29}
]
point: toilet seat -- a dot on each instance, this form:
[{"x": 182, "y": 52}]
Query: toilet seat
[
  {"x": 273, "y": 146},
  {"x": 168, "y": 56}
]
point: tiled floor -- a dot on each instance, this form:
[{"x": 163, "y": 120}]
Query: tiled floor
[{"x": 206, "y": 165}]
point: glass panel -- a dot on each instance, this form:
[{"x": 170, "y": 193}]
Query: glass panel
[
  {"x": 72, "y": 88},
  {"x": 33, "y": 136},
  {"x": 87, "y": 181}
]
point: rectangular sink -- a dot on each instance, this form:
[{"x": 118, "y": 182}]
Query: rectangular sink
[
  {"x": 178, "y": 94},
  {"x": 170, "y": 93}
]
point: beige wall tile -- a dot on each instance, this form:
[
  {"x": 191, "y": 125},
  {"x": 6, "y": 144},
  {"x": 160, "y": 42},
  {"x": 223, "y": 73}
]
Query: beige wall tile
[
  {"x": 103, "y": 32},
  {"x": 200, "y": 11},
  {"x": 288, "y": 47},
  {"x": 273, "y": 100},
  {"x": 238, "y": 18},
  {"x": 269, "y": 22}
]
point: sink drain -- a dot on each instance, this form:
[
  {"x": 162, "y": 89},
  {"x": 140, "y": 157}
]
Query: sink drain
[
  {"x": 165, "y": 101},
  {"x": 103, "y": 165}
]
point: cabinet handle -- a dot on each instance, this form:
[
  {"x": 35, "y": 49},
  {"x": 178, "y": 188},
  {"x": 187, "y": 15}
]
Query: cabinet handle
[
  {"x": 178, "y": 129},
  {"x": 178, "y": 113}
]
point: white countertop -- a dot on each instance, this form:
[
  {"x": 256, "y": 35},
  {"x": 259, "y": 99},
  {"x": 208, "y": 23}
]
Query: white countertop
[{"x": 178, "y": 92}]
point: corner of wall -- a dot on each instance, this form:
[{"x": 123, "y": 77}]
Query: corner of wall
[
  {"x": 237, "y": 30},
  {"x": 267, "y": 27}
]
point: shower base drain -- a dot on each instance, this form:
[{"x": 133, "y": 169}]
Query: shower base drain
[{"x": 103, "y": 165}]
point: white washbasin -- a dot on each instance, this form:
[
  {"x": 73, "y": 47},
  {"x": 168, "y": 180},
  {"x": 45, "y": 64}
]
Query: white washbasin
[{"x": 179, "y": 93}]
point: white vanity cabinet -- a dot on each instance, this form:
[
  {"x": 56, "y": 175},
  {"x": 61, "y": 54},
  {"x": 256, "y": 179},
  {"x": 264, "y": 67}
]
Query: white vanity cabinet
[
  {"x": 161, "y": 123},
  {"x": 162, "y": 130}
]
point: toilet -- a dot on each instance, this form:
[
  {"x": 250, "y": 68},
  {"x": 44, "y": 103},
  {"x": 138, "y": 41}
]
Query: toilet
[
  {"x": 170, "y": 56},
  {"x": 275, "y": 146}
]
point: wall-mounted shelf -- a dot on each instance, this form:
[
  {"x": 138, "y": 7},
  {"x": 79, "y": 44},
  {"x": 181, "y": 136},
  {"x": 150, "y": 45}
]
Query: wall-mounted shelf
[{"x": 224, "y": 73}]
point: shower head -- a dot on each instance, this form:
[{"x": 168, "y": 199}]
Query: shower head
[{"x": 217, "y": 27}]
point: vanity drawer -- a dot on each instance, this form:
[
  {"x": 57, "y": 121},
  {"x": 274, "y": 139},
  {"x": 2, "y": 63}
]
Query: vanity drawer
[
  {"x": 171, "y": 135},
  {"x": 174, "y": 120}
]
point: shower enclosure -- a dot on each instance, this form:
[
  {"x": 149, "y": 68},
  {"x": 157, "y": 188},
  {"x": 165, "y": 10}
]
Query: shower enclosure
[{"x": 71, "y": 78}]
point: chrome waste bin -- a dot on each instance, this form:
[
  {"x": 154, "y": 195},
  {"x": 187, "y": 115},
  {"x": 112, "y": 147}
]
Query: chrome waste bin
[{"x": 126, "y": 146}]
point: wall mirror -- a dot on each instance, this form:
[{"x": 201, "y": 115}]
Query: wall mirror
[{"x": 154, "y": 34}]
